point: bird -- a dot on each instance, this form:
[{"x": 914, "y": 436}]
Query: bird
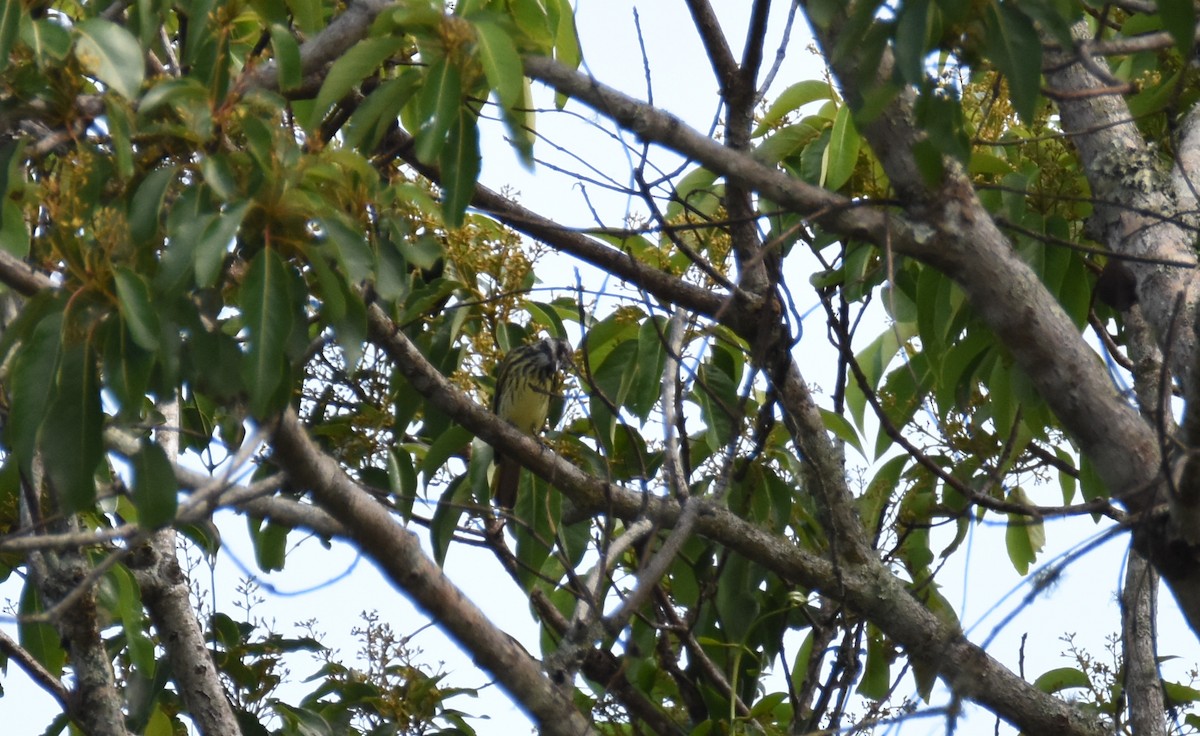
[{"x": 528, "y": 378}]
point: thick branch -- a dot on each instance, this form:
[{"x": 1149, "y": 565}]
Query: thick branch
[
  {"x": 957, "y": 236},
  {"x": 869, "y": 589},
  {"x": 166, "y": 596},
  {"x": 398, "y": 553},
  {"x": 1143, "y": 686}
]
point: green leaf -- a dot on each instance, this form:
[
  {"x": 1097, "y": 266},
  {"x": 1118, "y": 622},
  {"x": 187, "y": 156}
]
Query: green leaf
[
  {"x": 696, "y": 192},
  {"x": 1025, "y": 536},
  {"x": 270, "y": 544},
  {"x": 876, "y": 680},
  {"x": 214, "y": 242},
  {"x": 539, "y": 507},
  {"x": 308, "y": 14},
  {"x": 842, "y": 429},
  {"x": 70, "y": 437},
  {"x": 353, "y": 252},
  {"x": 402, "y": 481},
  {"x": 1179, "y": 18},
  {"x": 791, "y": 99},
  {"x": 1015, "y": 49},
  {"x": 287, "y": 57},
  {"x": 450, "y": 508},
  {"x": 841, "y": 155},
  {"x": 1063, "y": 678},
  {"x": 10, "y": 23},
  {"x": 437, "y": 107},
  {"x": 51, "y": 43},
  {"x": 129, "y": 605},
  {"x": 460, "y": 168},
  {"x": 915, "y": 30},
  {"x": 352, "y": 67},
  {"x": 39, "y": 639},
  {"x": 566, "y": 38},
  {"x": 146, "y": 206},
  {"x": 267, "y": 305},
  {"x": 447, "y": 444},
  {"x": 126, "y": 369},
  {"x": 133, "y": 294},
  {"x": 154, "y": 486},
  {"x": 32, "y": 387},
  {"x": 372, "y": 118},
  {"x": 111, "y": 54},
  {"x": 500, "y": 61}
]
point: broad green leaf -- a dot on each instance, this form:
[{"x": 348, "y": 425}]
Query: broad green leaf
[
  {"x": 372, "y": 118},
  {"x": 127, "y": 369},
  {"x": 118, "y": 115},
  {"x": 41, "y": 640},
  {"x": 842, "y": 429},
  {"x": 70, "y": 438},
  {"x": 876, "y": 678},
  {"x": 270, "y": 544},
  {"x": 309, "y": 15},
  {"x": 539, "y": 507},
  {"x": 266, "y": 302},
  {"x": 287, "y": 57},
  {"x": 447, "y": 444},
  {"x": 402, "y": 481},
  {"x": 695, "y": 193},
  {"x": 501, "y": 63},
  {"x": 532, "y": 19},
  {"x": 841, "y": 155},
  {"x": 1062, "y": 678},
  {"x": 450, "y": 509},
  {"x": 437, "y": 107},
  {"x": 128, "y": 604},
  {"x": 566, "y": 39},
  {"x": 353, "y": 252},
  {"x": 651, "y": 362},
  {"x": 133, "y": 294},
  {"x": 154, "y": 486},
  {"x": 352, "y": 67},
  {"x": 791, "y": 99},
  {"x": 916, "y": 27},
  {"x": 1025, "y": 536},
  {"x": 32, "y": 387},
  {"x": 1015, "y": 49},
  {"x": 215, "y": 241},
  {"x": 111, "y": 54},
  {"x": 146, "y": 205},
  {"x": 1179, "y": 694},
  {"x": 10, "y": 23},
  {"x": 737, "y": 605},
  {"x": 880, "y": 491},
  {"x": 460, "y": 164},
  {"x": 50, "y": 42},
  {"x": 1179, "y": 18}
]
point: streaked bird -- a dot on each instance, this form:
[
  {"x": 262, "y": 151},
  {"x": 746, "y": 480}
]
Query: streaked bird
[{"x": 528, "y": 378}]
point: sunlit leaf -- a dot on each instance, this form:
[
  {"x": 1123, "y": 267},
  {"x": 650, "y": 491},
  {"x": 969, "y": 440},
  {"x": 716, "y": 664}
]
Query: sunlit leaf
[
  {"x": 500, "y": 61},
  {"x": 1025, "y": 536},
  {"x": 841, "y": 155},
  {"x": 112, "y": 54},
  {"x": 437, "y": 105},
  {"x": 348, "y": 70}
]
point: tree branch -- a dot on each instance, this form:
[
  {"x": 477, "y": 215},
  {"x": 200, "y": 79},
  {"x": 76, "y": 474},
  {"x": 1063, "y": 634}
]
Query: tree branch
[
  {"x": 869, "y": 589},
  {"x": 398, "y": 553}
]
